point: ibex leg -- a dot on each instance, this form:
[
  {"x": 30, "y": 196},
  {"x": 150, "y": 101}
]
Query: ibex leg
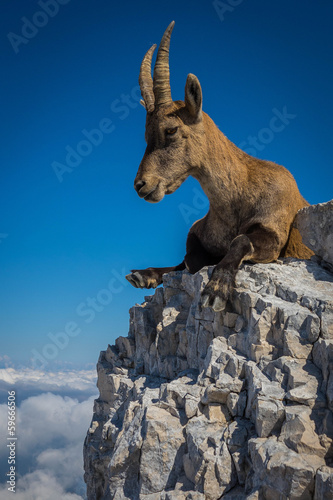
[
  {"x": 196, "y": 257},
  {"x": 152, "y": 276},
  {"x": 258, "y": 245}
]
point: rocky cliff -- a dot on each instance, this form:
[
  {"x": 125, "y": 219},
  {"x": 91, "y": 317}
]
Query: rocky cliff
[
  {"x": 235, "y": 405},
  {"x": 315, "y": 224}
]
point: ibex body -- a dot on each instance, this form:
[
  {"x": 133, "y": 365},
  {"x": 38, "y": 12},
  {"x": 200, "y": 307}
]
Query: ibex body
[{"x": 252, "y": 202}]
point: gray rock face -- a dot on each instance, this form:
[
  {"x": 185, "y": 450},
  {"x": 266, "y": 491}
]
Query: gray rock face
[
  {"x": 238, "y": 405},
  {"x": 315, "y": 223}
]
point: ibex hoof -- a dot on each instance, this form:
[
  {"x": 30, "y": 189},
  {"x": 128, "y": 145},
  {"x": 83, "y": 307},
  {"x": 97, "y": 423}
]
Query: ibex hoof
[
  {"x": 216, "y": 303},
  {"x": 136, "y": 280},
  {"x": 142, "y": 279}
]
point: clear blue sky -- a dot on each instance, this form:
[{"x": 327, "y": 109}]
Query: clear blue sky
[{"x": 62, "y": 244}]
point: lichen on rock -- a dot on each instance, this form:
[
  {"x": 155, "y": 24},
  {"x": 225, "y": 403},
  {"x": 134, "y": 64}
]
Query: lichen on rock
[{"x": 237, "y": 404}]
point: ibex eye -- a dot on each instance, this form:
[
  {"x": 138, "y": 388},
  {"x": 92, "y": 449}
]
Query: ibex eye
[{"x": 171, "y": 131}]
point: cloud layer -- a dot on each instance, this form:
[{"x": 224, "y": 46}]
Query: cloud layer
[
  {"x": 50, "y": 428},
  {"x": 78, "y": 384}
]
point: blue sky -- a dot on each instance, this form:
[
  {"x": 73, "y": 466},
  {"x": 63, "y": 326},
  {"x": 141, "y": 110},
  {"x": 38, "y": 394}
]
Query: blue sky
[{"x": 66, "y": 246}]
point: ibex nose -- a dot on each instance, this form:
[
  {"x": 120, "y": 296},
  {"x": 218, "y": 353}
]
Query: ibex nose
[{"x": 138, "y": 185}]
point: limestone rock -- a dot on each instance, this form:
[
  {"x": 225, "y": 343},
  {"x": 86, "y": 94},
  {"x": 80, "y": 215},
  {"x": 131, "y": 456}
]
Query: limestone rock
[
  {"x": 197, "y": 405},
  {"x": 163, "y": 432},
  {"x": 315, "y": 223},
  {"x": 298, "y": 432},
  {"x": 280, "y": 472},
  {"x": 324, "y": 484},
  {"x": 208, "y": 463}
]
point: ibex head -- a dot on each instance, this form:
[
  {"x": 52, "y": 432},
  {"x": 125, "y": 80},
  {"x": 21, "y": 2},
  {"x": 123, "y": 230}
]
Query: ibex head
[{"x": 174, "y": 129}]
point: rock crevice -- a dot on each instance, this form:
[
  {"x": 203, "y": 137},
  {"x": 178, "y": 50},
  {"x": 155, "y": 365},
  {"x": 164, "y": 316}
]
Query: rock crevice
[{"x": 201, "y": 405}]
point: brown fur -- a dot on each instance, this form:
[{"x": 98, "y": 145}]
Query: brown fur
[{"x": 253, "y": 202}]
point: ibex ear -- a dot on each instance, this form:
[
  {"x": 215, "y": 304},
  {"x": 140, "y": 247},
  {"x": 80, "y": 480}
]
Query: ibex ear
[{"x": 193, "y": 97}]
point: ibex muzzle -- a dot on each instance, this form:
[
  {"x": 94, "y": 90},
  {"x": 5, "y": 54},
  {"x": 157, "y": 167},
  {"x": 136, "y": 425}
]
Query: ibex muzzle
[{"x": 252, "y": 202}]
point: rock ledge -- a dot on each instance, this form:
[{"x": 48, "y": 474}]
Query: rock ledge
[
  {"x": 235, "y": 405},
  {"x": 315, "y": 223}
]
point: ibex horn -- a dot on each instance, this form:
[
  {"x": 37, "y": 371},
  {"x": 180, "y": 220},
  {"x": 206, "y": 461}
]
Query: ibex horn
[
  {"x": 146, "y": 81},
  {"x": 161, "y": 81}
]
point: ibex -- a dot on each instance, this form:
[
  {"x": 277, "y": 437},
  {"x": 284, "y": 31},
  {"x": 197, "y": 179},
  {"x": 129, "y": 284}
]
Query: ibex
[{"x": 253, "y": 202}]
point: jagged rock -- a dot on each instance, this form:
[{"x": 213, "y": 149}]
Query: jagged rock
[
  {"x": 208, "y": 463},
  {"x": 264, "y": 401},
  {"x": 280, "y": 472},
  {"x": 315, "y": 223},
  {"x": 198, "y": 405},
  {"x": 298, "y": 432},
  {"x": 163, "y": 432},
  {"x": 236, "y": 403},
  {"x": 324, "y": 484}
]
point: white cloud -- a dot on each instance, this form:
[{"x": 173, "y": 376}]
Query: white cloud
[
  {"x": 39, "y": 485},
  {"x": 65, "y": 464},
  {"x": 26, "y": 380},
  {"x": 50, "y": 418},
  {"x": 50, "y": 429}
]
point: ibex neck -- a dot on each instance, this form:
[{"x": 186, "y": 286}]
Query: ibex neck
[{"x": 223, "y": 172}]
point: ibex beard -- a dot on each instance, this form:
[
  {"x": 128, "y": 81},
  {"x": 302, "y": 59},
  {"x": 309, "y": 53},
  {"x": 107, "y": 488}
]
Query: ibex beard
[{"x": 253, "y": 202}]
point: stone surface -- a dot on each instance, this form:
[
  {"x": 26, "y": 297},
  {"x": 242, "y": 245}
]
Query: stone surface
[
  {"x": 198, "y": 405},
  {"x": 280, "y": 472},
  {"x": 315, "y": 223},
  {"x": 324, "y": 484}
]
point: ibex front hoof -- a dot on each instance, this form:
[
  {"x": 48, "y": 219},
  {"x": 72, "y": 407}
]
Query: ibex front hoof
[
  {"x": 136, "y": 280},
  {"x": 142, "y": 279}
]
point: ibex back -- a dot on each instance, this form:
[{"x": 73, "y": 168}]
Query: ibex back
[{"x": 252, "y": 202}]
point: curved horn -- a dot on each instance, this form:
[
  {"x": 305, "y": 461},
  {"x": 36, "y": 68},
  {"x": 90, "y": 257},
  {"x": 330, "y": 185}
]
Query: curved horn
[
  {"x": 161, "y": 82},
  {"x": 146, "y": 81}
]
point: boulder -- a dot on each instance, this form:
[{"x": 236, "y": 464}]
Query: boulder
[{"x": 315, "y": 223}]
